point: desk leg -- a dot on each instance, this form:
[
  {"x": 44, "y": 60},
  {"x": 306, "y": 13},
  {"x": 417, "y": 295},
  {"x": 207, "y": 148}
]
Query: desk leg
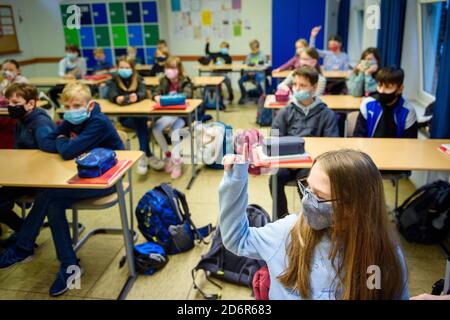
[
  {"x": 193, "y": 165},
  {"x": 346, "y": 126},
  {"x": 218, "y": 103},
  {"x": 274, "y": 197},
  {"x": 128, "y": 241}
]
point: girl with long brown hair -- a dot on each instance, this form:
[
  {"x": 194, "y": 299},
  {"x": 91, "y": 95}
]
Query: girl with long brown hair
[{"x": 340, "y": 247}]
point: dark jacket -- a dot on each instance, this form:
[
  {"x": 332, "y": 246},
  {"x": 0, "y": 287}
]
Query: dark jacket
[
  {"x": 374, "y": 121},
  {"x": 184, "y": 86},
  {"x": 115, "y": 91},
  {"x": 156, "y": 70},
  {"x": 32, "y": 129},
  {"x": 102, "y": 66},
  {"x": 217, "y": 56},
  {"x": 96, "y": 132},
  {"x": 320, "y": 121}
]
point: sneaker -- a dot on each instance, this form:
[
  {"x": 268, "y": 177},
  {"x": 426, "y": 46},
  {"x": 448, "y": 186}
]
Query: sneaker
[
  {"x": 156, "y": 164},
  {"x": 13, "y": 255},
  {"x": 61, "y": 285},
  {"x": 142, "y": 166},
  {"x": 242, "y": 101},
  {"x": 177, "y": 170},
  {"x": 168, "y": 167}
]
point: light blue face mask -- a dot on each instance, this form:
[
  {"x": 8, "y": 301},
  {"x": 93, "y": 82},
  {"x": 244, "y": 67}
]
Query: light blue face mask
[
  {"x": 224, "y": 50},
  {"x": 71, "y": 56},
  {"x": 302, "y": 95},
  {"x": 77, "y": 116},
  {"x": 125, "y": 73}
]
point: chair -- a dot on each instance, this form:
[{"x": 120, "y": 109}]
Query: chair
[
  {"x": 352, "y": 117},
  {"x": 104, "y": 203}
]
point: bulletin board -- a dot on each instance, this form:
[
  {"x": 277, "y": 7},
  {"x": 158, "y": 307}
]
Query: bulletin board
[
  {"x": 114, "y": 26},
  {"x": 8, "y": 36},
  {"x": 201, "y": 19}
]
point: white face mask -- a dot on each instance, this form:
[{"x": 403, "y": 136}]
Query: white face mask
[{"x": 9, "y": 75}]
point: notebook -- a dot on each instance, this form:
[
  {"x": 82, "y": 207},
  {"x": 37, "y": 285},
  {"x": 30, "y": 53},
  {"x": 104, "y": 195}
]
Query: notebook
[{"x": 262, "y": 160}]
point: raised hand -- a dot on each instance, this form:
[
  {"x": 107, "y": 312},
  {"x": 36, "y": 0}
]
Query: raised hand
[
  {"x": 230, "y": 160},
  {"x": 315, "y": 31}
]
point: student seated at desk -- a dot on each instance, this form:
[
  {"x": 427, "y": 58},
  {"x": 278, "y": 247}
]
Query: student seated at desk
[
  {"x": 83, "y": 129},
  {"x": 132, "y": 55},
  {"x": 387, "y": 114},
  {"x": 161, "y": 56},
  {"x": 11, "y": 74},
  {"x": 333, "y": 59},
  {"x": 309, "y": 57},
  {"x": 174, "y": 81},
  {"x": 255, "y": 58},
  {"x": 72, "y": 66},
  {"x": 305, "y": 116},
  {"x": 126, "y": 88},
  {"x": 324, "y": 252},
  {"x": 33, "y": 124},
  {"x": 101, "y": 64},
  {"x": 361, "y": 82},
  {"x": 295, "y": 62},
  {"x": 220, "y": 58}
]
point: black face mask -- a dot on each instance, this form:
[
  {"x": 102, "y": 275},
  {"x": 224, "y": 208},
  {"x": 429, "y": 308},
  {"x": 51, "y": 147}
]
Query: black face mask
[
  {"x": 161, "y": 59},
  {"x": 387, "y": 99},
  {"x": 17, "y": 112}
]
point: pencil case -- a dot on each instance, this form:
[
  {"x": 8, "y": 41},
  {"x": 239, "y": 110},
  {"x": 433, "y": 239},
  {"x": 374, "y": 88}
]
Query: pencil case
[
  {"x": 95, "y": 163},
  {"x": 282, "y": 96},
  {"x": 283, "y": 146},
  {"x": 172, "y": 100}
]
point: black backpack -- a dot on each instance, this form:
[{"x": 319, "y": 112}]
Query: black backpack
[
  {"x": 224, "y": 265},
  {"x": 424, "y": 217}
]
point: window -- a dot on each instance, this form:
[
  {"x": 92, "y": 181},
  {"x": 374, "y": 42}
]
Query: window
[{"x": 432, "y": 19}]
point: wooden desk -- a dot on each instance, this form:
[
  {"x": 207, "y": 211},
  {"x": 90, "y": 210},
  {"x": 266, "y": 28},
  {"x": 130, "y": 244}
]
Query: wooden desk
[
  {"x": 145, "y": 108},
  {"x": 336, "y": 75},
  {"x": 281, "y": 74},
  {"x": 37, "y": 169},
  {"x": 388, "y": 154},
  {"x": 231, "y": 68},
  {"x": 151, "y": 81},
  {"x": 53, "y": 81},
  {"x": 334, "y": 102},
  {"x": 143, "y": 67}
]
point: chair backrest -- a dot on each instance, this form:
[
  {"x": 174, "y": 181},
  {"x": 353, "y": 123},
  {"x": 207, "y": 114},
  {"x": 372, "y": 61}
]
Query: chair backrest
[
  {"x": 351, "y": 120},
  {"x": 125, "y": 140}
]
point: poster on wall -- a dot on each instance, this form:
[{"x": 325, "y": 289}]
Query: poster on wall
[{"x": 197, "y": 19}]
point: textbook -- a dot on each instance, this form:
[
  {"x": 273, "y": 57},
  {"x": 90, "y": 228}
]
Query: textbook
[
  {"x": 106, "y": 178},
  {"x": 263, "y": 160},
  {"x": 159, "y": 107},
  {"x": 445, "y": 148}
]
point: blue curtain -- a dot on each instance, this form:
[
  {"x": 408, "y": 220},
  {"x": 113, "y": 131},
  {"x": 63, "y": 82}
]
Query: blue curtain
[
  {"x": 441, "y": 119},
  {"x": 390, "y": 36},
  {"x": 343, "y": 22}
]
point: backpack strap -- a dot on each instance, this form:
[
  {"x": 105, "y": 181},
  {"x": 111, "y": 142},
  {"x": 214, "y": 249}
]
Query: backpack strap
[
  {"x": 414, "y": 195},
  {"x": 172, "y": 196},
  {"x": 207, "y": 296}
]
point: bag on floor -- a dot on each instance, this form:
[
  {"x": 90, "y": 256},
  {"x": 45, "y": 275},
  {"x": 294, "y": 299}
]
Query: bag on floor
[
  {"x": 225, "y": 265},
  {"x": 149, "y": 257},
  {"x": 261, "y": 284},
  {"x": 214, "y": 141},
  {"x": 210, "y": 99},
  {"x": 263, "y": 115},
  {"x": 424, "y": 217},
  {"x": 163, "y": 217}
]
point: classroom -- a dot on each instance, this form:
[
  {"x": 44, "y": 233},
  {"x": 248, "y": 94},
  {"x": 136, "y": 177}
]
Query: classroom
[{"x": 235, "y": 150}]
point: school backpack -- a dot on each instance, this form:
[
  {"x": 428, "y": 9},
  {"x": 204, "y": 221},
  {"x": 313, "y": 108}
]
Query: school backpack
[
  {"x": 261, "y": 284},
  {"x": 210, "y": 99},
  {"x": 424, "y": 216},
  {"x": 163, "y": 217},
  {"x": 149, "y": 257},
  {"x": 263, "y": 115},
  {"x": 222, "y": 264},
  {"x": 214, "y": 141}
]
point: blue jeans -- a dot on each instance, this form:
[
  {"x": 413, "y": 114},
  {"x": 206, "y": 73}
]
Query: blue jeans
[
  {"x": 54, "y": 203},
  {"x": 258, "y": 77},
  {"x": 140, "y": 125}
]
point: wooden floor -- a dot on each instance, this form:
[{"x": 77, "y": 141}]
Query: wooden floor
[{"x": 100, "y": 257}]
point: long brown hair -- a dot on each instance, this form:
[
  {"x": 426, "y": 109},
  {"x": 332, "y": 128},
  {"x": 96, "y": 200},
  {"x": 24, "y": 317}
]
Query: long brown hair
[
  {"x": 134, "y": 78},
  {"x": 375, "y": 52},
  {"x": 360, "y": 236}
]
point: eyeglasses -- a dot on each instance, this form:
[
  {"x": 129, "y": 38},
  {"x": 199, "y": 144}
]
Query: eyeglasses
[{"x": 305, "y": 191}]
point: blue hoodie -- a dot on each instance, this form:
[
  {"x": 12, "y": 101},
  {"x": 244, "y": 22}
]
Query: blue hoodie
[
  {"x": 270, "y": 242},
  {"x": 96, "y": 132},
  {"x": 31, "y": 130}
]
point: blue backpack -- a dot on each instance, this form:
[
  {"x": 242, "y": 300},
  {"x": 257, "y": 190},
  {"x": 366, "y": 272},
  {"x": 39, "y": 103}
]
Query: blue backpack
[
  {"x": 210, "y": 98},
  {"x": 163, "y": 217},
  {"x": 263, "y": 115}
]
